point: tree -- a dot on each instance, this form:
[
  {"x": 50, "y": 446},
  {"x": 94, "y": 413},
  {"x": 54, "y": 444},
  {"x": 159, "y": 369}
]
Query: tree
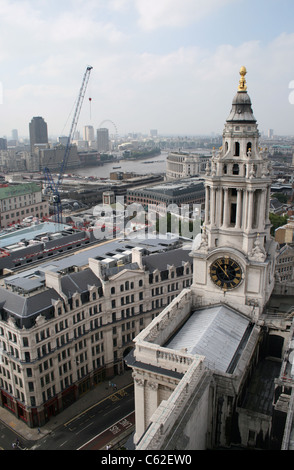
[
  {"x": 277, "y": 221},
  {"x": 283, "y": 198}
]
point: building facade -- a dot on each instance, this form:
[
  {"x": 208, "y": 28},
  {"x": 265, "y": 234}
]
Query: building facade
[
  {"x": 284, "y": 284},
  {"x": 187, "y": 192},
  {"x": 38, "y": 132},
  {"x": 18, "y": 201},
  {"x": 284, "y": 234},
  {"x": 103, "y": 140},
  {"x": 181, "y": 165},
  {"x": 88, "y": 134},
  {"x": 63, "y": 331}
]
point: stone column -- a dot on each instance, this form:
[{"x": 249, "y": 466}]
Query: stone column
[
  {"x": 152, "y": 397},
  {"x": 212, "y": 206},
  {"x": 139, "y": 406},
  {"x": 239, "y": 207},
  {"x": 207, "y": 202},
  {"x": 262, "y": 210},
  {"x": 220, "y": 208},
  {"x": 245, "y": 210},
  {"x": 267, "y": 204},
  {"x": 226, "y": 208},
  {"x": 250, "y": 209}
]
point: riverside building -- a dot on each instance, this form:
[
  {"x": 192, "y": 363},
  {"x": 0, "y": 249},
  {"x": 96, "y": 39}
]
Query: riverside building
[
  {"x": 181, "y": 165},
  {"x": 67, "y": 324}
]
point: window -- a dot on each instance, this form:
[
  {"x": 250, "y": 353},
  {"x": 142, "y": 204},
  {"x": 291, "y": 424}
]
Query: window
[
  {"x": 235, "y": 169},
  {"x": 237, "y": 149},
  {"x": 233, "y": 213}
]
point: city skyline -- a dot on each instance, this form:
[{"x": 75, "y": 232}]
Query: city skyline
[{"x": 165, "y": 65}]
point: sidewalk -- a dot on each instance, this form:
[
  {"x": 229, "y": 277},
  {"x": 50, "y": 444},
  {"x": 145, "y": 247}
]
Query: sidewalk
[{"x": 100, "y": 392}]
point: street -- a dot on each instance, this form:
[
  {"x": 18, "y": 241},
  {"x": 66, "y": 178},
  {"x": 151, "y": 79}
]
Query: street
[
  {"x": 90, "y": 423},
  {"x": 87, "y": 426}
]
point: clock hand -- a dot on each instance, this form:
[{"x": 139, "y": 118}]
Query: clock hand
[{"x": 224, "y": 271}]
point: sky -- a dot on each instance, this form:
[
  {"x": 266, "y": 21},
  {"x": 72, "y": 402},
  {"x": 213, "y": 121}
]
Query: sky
[{"x": 170, "y": 65}]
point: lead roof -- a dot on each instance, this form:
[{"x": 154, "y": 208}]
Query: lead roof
[{"x": 27, "y": 296}]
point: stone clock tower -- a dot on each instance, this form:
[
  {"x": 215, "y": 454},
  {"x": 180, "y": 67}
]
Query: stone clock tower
[{"x": 235, "y": 261}]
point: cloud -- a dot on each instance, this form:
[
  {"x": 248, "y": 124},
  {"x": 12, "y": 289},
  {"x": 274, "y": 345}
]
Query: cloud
[
  {"x": 76, "y": 26},
  {"x": 155, "y": 14},
  {"x": 178, "y": 85}
]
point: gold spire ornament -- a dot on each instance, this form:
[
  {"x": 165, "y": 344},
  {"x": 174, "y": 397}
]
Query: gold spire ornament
[{"x": 242, "y": 81}]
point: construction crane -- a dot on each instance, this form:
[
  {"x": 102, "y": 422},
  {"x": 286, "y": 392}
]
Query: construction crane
[{"x": 50, "y": 184}]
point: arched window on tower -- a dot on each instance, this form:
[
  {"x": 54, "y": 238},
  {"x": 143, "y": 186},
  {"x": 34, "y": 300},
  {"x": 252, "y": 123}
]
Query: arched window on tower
[
  {"x": 226, "y": 147},
  {"x": 237, "y": 149},
  {"x": 249, "y": 147},
  {"x": 225, "y": 169},
  {"x": 235, "y": 169}
]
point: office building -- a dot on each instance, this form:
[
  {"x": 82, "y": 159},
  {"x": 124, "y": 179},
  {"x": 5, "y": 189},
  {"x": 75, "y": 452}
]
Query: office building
[
  {"x": 3, "y": 143},
  {"x": 38, "y": 132},
  {"x": 181, "y": 165},
  {"x": 67, "y": 325},
  {"x": 18, "y": 201},
  {"x": 185, "y": 192},
  {"x": 88, "y": 133},
  {"x": 14, "y": 135},
  {"x": 102, "y": 140}
]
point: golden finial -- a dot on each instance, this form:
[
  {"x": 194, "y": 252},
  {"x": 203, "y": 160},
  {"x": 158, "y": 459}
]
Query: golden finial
[{"x": 242, "y": 81}]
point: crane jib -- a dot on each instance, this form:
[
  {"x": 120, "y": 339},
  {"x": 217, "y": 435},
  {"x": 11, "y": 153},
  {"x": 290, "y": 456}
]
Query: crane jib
[{"x": 50, "y": 184}]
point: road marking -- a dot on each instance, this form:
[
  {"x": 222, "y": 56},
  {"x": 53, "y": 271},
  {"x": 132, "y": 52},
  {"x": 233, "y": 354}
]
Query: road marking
[
  {"x": 112, "y": 409},
  {"x": 63, "y": 443},
  {"x": 81, "y": 430},
  {"x": 93, "y": 406},
  {"x": 102, "y": 432}
]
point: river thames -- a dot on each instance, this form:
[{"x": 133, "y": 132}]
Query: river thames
[{"x": 155, "y": 164}]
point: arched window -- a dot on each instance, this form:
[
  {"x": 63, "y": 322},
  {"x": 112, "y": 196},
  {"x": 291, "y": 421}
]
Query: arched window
[
  {"x": 249, "y": 147},
  {"x": 226, "y": 147},
  {"x": 237, "y": 149},
  {"x": 235, "y": 169},
  {"x": 225, "y": 169}
]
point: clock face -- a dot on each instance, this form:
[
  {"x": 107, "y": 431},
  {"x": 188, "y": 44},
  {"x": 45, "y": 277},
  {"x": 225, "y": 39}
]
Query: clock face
[{"x": 226, "y": 273}]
